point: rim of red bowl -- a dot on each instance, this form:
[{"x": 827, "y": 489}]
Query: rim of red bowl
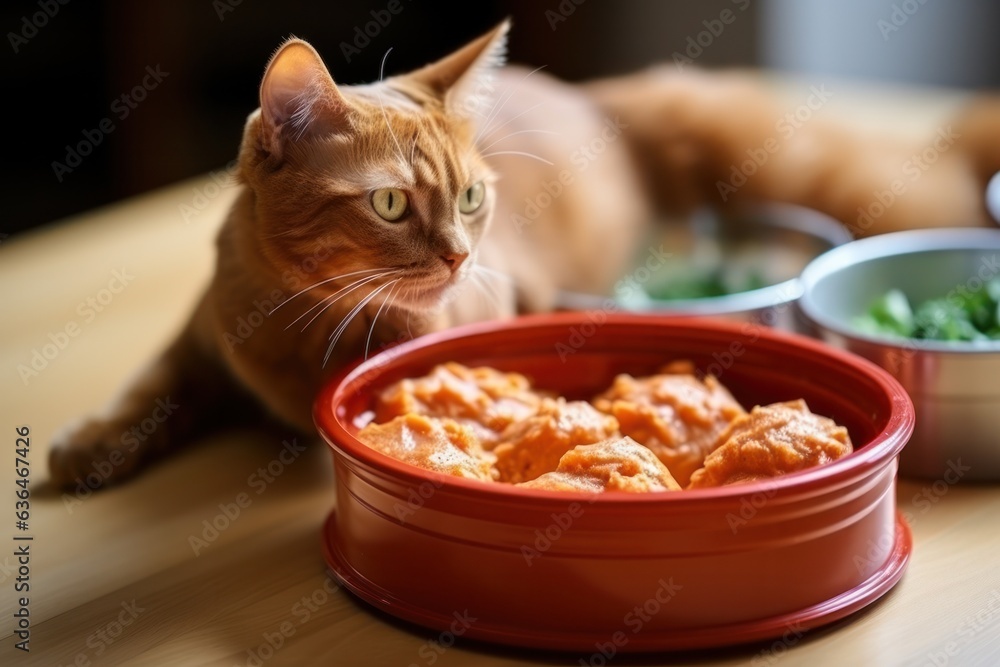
[{"x": 883, "y": 447}]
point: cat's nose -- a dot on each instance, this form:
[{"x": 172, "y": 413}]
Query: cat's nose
[{"x": 453, "y": 260}]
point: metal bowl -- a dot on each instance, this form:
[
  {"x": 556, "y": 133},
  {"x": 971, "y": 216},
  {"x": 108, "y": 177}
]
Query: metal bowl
[
  {"x": 779, "y": 240},
  {"x": 955, "y": 387}
]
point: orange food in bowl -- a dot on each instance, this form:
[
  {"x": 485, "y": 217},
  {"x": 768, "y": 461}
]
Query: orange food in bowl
[
  {"x": 770, "y": 441},
  {"x": 442, "y": 445},
  {"x": 481, "y": 423},
  {"x": 676, "y": 415},
  {"x": 534, "y": 446},
  {"x": 484, "y": 399},
  {"x": 615, "y": 464}
]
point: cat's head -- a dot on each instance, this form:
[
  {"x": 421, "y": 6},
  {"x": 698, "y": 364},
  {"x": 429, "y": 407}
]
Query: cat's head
[{"x": 384, "y": 176}]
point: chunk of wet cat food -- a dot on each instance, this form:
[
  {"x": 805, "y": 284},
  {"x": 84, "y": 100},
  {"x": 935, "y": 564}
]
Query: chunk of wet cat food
[
  {"x": 442, "y": 445},
  {"x": 533, "y": 446},
  {"x": 615, "y": 464},
  {"x": 771, "y": 441},
  {"x": 485, "y": 399},
  {"x": 678, "y": 416}
]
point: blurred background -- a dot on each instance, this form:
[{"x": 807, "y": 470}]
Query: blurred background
[{"x": 198, "y": 65}]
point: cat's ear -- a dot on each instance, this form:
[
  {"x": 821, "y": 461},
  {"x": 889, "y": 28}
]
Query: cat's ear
[
  {"x": 464, "y": 80},
  {"x": 298, "y": 97}
]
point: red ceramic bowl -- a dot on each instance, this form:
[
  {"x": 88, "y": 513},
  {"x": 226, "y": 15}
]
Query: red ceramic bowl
[{"x": 624, "y": 572}]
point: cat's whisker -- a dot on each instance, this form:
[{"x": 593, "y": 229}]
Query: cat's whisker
[
  {"x": 388, "y": 125},
  {"x": 492, "y": 272},
  {"x": 484, "y": 293},
  {"x": 486, "y": 276},
  {"x": 499, "y": 105},
  {"x": 388, "y": 296},
  {"x": 331, "y": 299},
  {"x": 381, "y": 70},
  {"x": 298, "y": 232},
  {"x": 325, "y": 281},
  {"x": 314, "y": 317},
  {"x": 342, "y": 327},
  {"x": 489, "y": 277},
  {"x": 524, "y": 153},
  {"x": 513, "y": 134},
  {"x": 337, "y": 296},
  {"x": 487, "y": 135}
]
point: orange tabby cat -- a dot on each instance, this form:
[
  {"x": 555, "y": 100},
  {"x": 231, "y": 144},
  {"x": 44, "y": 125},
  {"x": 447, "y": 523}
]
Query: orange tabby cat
[{"x": 459, "y": 192}]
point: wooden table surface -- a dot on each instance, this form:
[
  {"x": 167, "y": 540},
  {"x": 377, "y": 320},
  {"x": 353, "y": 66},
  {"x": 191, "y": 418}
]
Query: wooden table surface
[{"x": 114, "y": 578}]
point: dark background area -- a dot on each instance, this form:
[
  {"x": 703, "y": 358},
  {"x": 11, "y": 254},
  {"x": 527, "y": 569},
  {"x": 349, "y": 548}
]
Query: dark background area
[{"x": 65, "y": 65}]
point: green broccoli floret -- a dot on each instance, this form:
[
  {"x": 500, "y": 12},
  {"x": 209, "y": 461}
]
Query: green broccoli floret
[
  {"x": 943, "y": 319},
  {"x": 963, "y": 315},
  {"x": 888, "y": 315}
]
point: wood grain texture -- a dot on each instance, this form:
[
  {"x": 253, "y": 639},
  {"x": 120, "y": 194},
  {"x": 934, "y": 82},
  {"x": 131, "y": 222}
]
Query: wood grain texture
[{"x": 125, "y": 554}]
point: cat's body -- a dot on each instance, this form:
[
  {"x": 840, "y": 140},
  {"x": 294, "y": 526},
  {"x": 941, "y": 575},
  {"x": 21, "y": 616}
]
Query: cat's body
[{"x": 512, "y": 188}]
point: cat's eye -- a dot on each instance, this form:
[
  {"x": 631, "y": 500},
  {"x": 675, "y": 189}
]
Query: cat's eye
[
  {"x": 390, "y": 203},
  {"x": 472, "y": 198}
]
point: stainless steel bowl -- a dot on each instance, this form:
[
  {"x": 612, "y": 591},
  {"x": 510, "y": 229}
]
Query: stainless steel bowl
[
  {"x": 955, "y": 387},
  {"x": 785, "y": 238}
]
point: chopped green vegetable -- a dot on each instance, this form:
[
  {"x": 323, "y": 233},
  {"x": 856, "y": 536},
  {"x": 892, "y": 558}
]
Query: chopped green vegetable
[
  {"x": 891, "y": 313},
  {"x": 705, "y": 283},
  {"x": 964, "y": 315}
]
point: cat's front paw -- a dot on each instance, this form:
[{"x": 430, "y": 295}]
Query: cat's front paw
[{"x": 91, "y": 452}]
